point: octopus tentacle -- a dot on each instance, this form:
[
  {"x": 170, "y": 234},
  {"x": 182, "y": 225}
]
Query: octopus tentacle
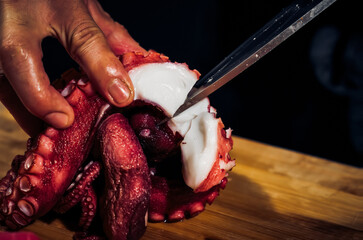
[
  {"x": 49, "y": 164},
  {"x": 171, "y": 199},
  {"x": 126, "y": 197},
  {"x": 89, "y": 207},
  {"x": 6, "y": 182},
  {"x": 78, "y": 190}
]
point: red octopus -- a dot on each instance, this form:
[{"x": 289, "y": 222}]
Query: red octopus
[{"x": 139, "y": 160}]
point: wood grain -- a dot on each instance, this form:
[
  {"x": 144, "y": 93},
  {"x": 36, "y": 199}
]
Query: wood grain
[{"x": 272, "y": 193}]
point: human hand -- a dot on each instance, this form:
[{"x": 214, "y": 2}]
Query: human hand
[{"x": 89, "y": 35}]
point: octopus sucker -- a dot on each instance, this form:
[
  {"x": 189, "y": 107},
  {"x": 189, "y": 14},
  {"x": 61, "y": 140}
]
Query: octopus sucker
[
  {"x": 89, "y": 208},
  {"x": 28, "y": 163},
  {"x": 19, "y": 219},
  {"x": 9, "y": 191},
  {"x": 26, "y": 208},
  {"x": 121, "y": 163},
  {"x": 68, "y": 90},
  {"x": 33, "y": 164},
  {"x": 24, "y": 184}
]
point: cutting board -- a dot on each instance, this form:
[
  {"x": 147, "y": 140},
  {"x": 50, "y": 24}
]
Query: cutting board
[{"x": 272, "y": 193}]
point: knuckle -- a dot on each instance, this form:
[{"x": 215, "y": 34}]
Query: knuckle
[{"x": 83, "y": 38}]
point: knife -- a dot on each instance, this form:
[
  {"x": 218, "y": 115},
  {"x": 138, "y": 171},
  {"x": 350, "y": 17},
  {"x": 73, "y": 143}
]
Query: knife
[{"x": 277, "y": 30}]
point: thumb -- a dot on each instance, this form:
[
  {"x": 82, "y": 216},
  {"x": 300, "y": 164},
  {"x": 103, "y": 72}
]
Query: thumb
[{"x": 87, "y": 45}]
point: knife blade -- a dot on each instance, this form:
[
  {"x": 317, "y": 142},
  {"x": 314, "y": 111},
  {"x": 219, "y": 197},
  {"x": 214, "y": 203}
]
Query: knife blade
[{"x": 276, "y": 31}]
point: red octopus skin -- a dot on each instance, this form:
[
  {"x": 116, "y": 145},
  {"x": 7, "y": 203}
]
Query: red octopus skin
[
  {"x": 127, "y": 183},
  {"x": 38, "y": 179}
]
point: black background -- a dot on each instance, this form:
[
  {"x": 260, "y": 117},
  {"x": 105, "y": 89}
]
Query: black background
[{"x": 279, "y": 100}]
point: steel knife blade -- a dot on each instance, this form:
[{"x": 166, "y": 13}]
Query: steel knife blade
[{"x": 276, "y": 31}]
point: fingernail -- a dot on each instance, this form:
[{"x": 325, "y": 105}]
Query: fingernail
[
  {"x": 57, "y": 119},
  {"x": 119, "y": 91}
]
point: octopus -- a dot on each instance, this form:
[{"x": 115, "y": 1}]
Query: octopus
[{"x": 149, "y": 171}]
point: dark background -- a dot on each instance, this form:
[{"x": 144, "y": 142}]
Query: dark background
[{"x": 306, "y": 95}]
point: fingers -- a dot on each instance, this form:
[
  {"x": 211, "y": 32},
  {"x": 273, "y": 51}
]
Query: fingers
[
  {"x": 117, "y": 36},
  {"x": 86, "y": 43},
  {"x": 21, "y": 63}
]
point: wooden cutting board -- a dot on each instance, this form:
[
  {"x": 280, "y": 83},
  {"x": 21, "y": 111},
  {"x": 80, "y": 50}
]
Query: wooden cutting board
[{"x": 272, "y": 193}]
